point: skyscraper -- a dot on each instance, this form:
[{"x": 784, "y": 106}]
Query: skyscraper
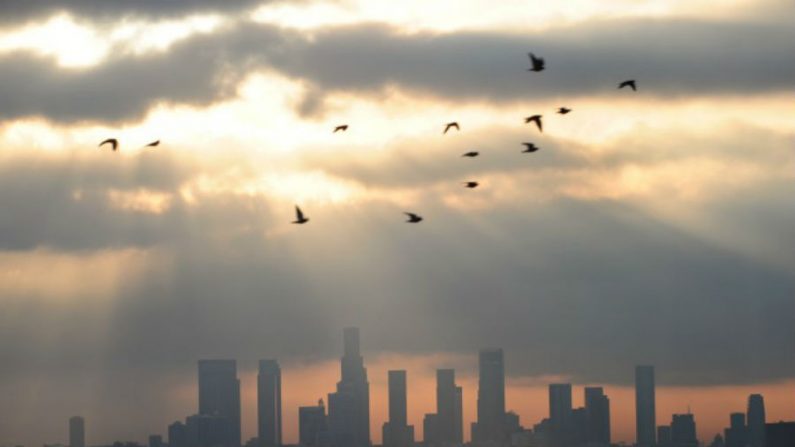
[
  {"x": 219, "y": 396},
  {"x": 77, "y": 432},
  {"x": 269, "y": 403},
  {"x": 445, "y": 427},
  {"x": 597, "y": 416},
  {"x": 396, "y": 431},
  {"x": 559, "y": 406},
  {"x": 490, "y": 426},
  {"x": 736, "y": 435},
  {"x": 645, "y": 417},
  {"x": 756, "y": 420},
  {"x": 349, "y": 406}
]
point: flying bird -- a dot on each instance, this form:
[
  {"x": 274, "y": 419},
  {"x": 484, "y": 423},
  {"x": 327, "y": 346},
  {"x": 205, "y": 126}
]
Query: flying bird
[
  {"x": 564, "y": 110},
  {"x": 471, "y": 154},
  {"x": 413, "y": 218},
  {"x": 299, "y": 216},
  {"x": 529, "y": 148},
  {"x": 471, "y": 185},
  {"x": 630, "y": 83},
  {"x": 153, "y": 144},
  {"x": 114, "y": 143},
  {"x": 342, "y": 127},
  {"x": 451, "y": 125},
  {"x": 535, "y": 119},
  {"x": 537, "y": 63}
]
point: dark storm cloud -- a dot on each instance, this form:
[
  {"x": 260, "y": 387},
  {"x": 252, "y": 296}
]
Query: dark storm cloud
[
  {"x": 670, "y": 58},
  {"x": 15, "y": 11}
]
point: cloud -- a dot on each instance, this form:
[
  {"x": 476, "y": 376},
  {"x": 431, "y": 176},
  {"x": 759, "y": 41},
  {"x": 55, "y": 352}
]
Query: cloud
[
  {"x": 14, "y": 11},
  {"x": 673, "y": 58}
]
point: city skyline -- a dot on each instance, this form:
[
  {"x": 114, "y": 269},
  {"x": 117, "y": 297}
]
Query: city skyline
[{"x": 218, "y": 386}]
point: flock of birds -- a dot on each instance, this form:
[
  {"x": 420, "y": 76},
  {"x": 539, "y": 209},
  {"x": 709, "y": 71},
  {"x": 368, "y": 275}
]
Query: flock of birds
[{"x": 537, "y": 64}]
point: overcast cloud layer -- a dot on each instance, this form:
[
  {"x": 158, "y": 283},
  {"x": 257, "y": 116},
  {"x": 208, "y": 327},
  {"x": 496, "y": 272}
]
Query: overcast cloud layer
[{"x": 672, "y": 58}]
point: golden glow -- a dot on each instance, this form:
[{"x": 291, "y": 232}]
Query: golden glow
[
  {"x": 140, "y": 201},
  {"x": 56, "y": 277},
  {"x": 78, "y": 45}
]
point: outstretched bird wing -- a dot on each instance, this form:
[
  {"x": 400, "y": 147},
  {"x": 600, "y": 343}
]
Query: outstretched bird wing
[
  {"x": 112, "y": 141},
  {"x": 299, "y": 215}
]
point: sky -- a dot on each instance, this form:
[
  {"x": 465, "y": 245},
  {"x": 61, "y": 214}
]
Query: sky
[{"x": 653, "y": 227}]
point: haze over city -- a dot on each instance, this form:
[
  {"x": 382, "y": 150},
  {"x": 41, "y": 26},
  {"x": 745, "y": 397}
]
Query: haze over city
[{"x": 588, "y": 186}]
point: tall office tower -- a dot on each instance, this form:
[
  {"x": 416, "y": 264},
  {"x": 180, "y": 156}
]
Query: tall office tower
[
  {"x": 396, "y": 431},
  {"x": 269, "y": 403},
  {"x": 736, "y": 435},
  {"x": 490, "y": 426},
  {"x": 177, "y": 435},
  {"x": 756, "y": 420},
  {"x": 560, "y": 406},
  {"x": 77, "y": 432},
  {"x": 445, "y": 427},
  {"x": 312, "y": 425},
  {"x": 219, "y": 395},
  {"x": 597, "y": 416},
  {"x": 683, "y": 430},
  {"x": 645, "y": 416},
  {"x": 349, "y": 406}
]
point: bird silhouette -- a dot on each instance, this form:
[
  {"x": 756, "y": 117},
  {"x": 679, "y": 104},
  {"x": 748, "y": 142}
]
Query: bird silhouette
[
  {"x": 537, "y": 63},
  {"x": 564, "y": 110},
  {"x": 451, "y": 125},
  {"x": 630, "y": 83},
  {"x": 529, "y": 148},
  {"x": 471, "y": 154},
  {"x": 299, "y": 216},
  {"x": 471, "y": 185},
  {"x": 342, "y": 127},
  {"x": 413, "y": 218},
  {"x": 153, "y": 144},
  {"x": 114, "y": 143},
  {"x": 535, "y": 119}
]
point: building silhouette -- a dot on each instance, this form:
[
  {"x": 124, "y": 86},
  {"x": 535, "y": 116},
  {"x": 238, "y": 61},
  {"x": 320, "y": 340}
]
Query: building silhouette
[
  {"x": 491, "y": 424},
  {"x": 219, "y": 398},
  {"x": 269, "y": 404},
  {"x": 683, "y": 430},
  {"x": 736, "y": 435},
  {"x": 780, "y": 434},
  {"x": 312, "y": 425},
  {"x": 560, "y": 406},
  {"x": 77, "y": 432},
  {"x": 756, "y": 420},
  {"x": 156, "y": 441},
  {"x": 664, "y": 436},
  {"x": 177, "y": 435},
  {"x": 396, "y": 432},
  {"x": 645, "y": 416},
  {"x": 205, "y": 430},
  {"x": 597, "y": 417},
  {"x": 349, "y": 406},
  {"x": 445, "y": 427}
]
